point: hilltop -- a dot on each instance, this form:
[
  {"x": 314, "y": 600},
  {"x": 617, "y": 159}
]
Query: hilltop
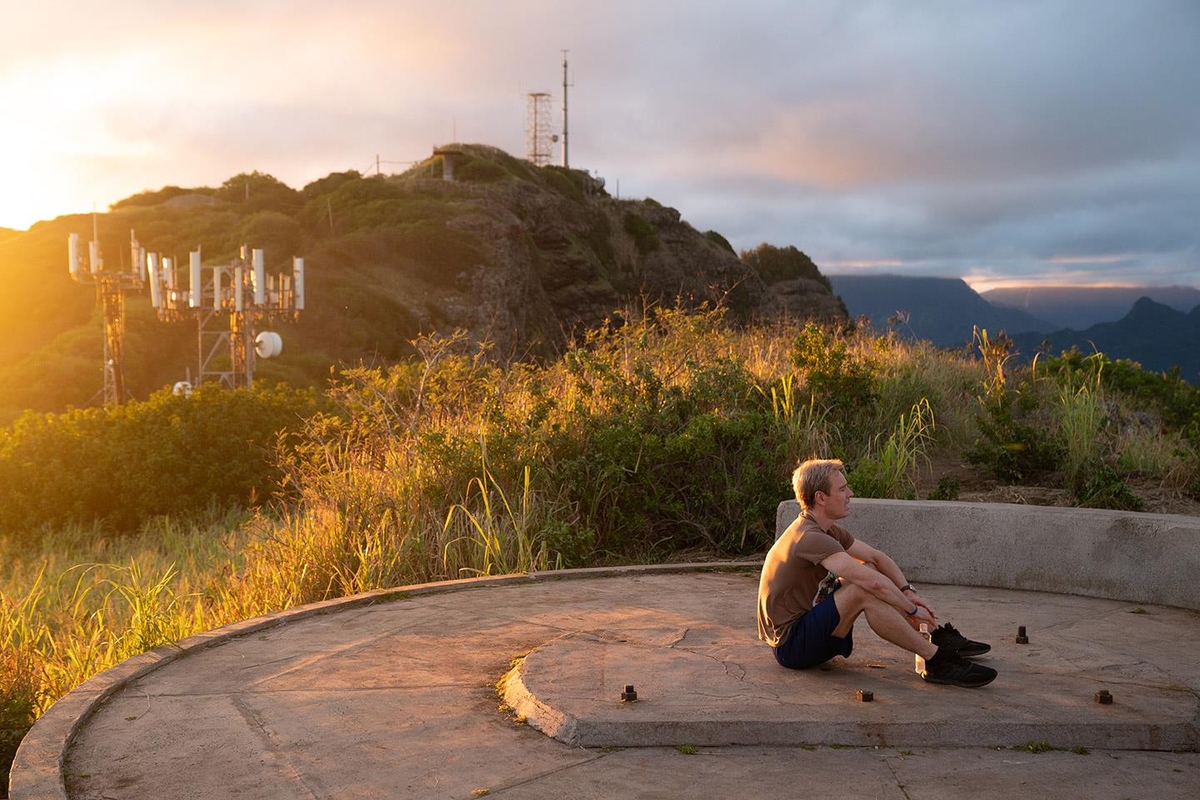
[{"x": 521, "y": 256}]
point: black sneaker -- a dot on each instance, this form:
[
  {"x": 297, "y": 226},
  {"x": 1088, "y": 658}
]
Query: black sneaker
[
  {"x": 950, "y": 668},
  {"x": 946, "y": 636}
]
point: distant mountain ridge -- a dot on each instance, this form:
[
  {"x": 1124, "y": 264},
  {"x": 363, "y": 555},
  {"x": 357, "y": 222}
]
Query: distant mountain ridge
[
  {"x": 1080, "y": 307},
  {"x": 1153, "y": 334},
  {"x": 944, "y": 311}
]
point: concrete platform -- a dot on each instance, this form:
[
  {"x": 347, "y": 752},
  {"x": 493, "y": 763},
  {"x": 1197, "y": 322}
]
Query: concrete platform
[{"x": 395, "y": 695}]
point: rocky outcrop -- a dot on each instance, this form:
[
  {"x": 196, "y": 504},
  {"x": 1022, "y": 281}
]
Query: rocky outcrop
[{"x": 559, "y": 256}]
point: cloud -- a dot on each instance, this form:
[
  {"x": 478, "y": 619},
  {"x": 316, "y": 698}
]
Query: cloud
[{"x": 936, "y": 138}]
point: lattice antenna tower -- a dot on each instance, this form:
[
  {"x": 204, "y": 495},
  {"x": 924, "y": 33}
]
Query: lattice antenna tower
[
  {"x": 111, "y": 286},
  {"x": 230, "y": 303},
  {"x": 538, "y": 136}
]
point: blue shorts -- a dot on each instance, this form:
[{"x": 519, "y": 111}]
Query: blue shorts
[{"x": 810, "y": 641}]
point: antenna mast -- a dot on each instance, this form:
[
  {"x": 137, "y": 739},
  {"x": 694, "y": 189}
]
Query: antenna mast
[
  {"x": 565, "y": 160},
  {"x": 111, "y": 286}
]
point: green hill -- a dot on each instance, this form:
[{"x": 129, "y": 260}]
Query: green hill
[{"x": 524, "y": 257}]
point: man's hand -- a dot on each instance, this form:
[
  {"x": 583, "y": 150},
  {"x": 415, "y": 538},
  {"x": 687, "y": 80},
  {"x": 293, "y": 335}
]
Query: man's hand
[
  {"x": 923, "y": 615},
  {"x": 923, "y": 610}
]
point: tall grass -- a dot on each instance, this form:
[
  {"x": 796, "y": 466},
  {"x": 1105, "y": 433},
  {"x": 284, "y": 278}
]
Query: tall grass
[
  {"x": 1081, "y": 424},
  {"x": 889, "y": 469},
  {"x": 669, "y": 432}
]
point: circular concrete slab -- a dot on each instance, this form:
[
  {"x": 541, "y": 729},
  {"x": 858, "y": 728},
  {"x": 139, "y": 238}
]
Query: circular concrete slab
[{"x": 394, "y": 695}]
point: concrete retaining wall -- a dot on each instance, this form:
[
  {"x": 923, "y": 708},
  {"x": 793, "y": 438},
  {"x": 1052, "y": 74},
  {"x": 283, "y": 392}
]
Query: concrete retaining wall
[{"x": 1117, "y": 555}]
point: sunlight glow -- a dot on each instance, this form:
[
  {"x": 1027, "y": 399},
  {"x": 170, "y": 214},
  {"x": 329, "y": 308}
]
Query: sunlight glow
[
  {"x": 1056, "y": 281},
  {"x": 66, "y": 141}
]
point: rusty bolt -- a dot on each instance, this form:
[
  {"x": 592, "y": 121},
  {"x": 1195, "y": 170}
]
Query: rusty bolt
[
  {"x": 1104, "y": 697},
  {"x": 865, "y": 695},
  {"x": 1021, "y": 637},
  {"x": 629, "y": 695}
]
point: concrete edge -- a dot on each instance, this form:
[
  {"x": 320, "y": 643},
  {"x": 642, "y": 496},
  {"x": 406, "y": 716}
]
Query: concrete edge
[
  {"x": 37, "y": 769},
  {"x": 1131, "y": 737}
]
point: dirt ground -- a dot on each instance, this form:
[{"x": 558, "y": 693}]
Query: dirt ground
[{"x": 975, "y": 486}]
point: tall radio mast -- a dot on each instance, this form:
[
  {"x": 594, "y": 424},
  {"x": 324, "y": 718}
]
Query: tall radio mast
[{"x": 565, "y": 160}]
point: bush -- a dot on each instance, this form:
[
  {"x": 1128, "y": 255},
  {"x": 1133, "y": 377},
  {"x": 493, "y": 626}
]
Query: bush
[
  {"x": 167, "y": 455},
  {"x": 1177, "y": 401},
  {"x": 946, "y": 489},
  {"x": 1014, "y": 443},
  {"x": 835, "y": 376},
  {"x": 890, "y": 468},
  {"x": 1105, "y": 488},
  {"x": 645, "y": 235}
]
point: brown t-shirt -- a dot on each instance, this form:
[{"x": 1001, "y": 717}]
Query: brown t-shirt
[{"x": 792, "y": 575}]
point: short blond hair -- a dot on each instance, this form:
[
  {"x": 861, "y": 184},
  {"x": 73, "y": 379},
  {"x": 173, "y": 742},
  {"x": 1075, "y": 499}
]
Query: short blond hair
[{"x": 815, "y": 475}]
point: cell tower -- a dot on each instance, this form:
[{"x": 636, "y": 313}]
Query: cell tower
[
  {"x": 111, "y": 286},
  {"x": 231, "y": 303},
  {"x": 538, "y": 137}
]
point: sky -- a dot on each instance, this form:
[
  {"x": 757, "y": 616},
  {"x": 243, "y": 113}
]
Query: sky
[{"x": 1026, "y": 141}]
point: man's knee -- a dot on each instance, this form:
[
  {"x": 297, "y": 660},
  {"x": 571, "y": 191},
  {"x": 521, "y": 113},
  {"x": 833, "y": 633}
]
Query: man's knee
[
  {"x": 856, "y": 600},
  {"x": 851, "y": 598}
]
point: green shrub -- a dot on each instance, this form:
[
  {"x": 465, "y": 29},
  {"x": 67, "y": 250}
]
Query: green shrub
[
  {"x": 947, "y": 489},
  {"x": 1014, "y": 443},
  {"x": 645, "y": 235},
  {"x": 19, "y": 687},
  {"x": 478, "y": 170},
  {"x": 567, "y": 182},
  {"x": 1105, "y": 488},
  {"x": 1177, "y": 401},
  {"x": 167, "y": 455},
  {"x": 834, "y": 375},
  {"x": 890, "y": 468}
]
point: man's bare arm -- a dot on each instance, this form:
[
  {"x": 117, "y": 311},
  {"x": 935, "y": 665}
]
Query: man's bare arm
[{"x": 866, "y": 575}]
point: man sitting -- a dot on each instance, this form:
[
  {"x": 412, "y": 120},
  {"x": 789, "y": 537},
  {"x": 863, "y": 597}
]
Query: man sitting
[{"x": 818, "y": 579}]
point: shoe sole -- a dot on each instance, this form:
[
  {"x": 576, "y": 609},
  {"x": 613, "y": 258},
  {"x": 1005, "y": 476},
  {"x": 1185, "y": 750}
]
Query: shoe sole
[
  {"x": 972, "y": 652},
  {"x": 975, "y": 684}
]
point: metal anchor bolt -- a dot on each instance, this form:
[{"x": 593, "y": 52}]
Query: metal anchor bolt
[
  {"x": 629, "y": 695},
  {"x": 1104, "y": 697},
  {"x": 1021, "y": 637},
  {"x": 865, "y": 695}
]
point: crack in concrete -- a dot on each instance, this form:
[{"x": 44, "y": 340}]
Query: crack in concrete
[
  {"x": 254, "y": 722},
  {"x": 682, "y": 636},
  {"x": 533, "y": 778},
  {"x": 899, "y": 783}
]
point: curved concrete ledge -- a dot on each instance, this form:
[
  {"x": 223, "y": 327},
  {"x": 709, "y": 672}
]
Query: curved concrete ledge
[
  {"x": 1115, "y": 555},
  {"x": 37, "y": 769}
]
